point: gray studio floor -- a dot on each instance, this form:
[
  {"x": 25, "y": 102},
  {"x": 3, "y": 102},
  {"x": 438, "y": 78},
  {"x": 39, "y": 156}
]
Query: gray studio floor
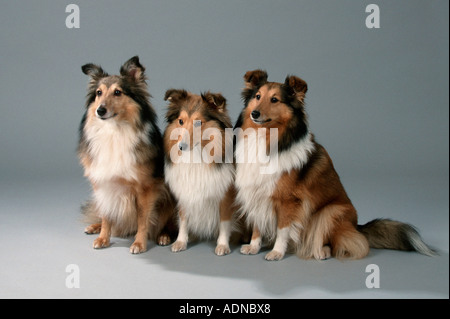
[{"x": 41, "y": 236}]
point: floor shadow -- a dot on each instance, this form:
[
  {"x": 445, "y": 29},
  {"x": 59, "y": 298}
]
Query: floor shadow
[{"x": 401, "y": 272}]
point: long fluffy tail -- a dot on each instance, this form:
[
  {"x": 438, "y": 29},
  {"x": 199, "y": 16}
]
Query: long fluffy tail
[
  {"x": 391, "y": 234},
  {"x": 89, "y": 213}
]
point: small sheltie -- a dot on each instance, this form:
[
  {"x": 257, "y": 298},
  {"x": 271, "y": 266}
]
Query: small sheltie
[
  {"x": 121, "y": 151},
  {"x": 195, "y": 167},
  {"x": 301, "y": 204}
]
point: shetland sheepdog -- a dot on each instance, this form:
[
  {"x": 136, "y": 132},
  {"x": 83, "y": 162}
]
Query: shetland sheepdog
[
  {"x": 301, "y": 204},
  {"x": 121, "y": 151},
  {"x": 196, "y": 168}
]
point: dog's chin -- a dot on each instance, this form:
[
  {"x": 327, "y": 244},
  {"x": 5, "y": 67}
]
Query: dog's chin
[{"x": 260, "y": 122}]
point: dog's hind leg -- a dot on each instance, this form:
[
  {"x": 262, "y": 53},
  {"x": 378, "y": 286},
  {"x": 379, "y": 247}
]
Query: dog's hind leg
[
  {"x": 91, "y": 217},
  {"x": 93, "y": 229},
  {"x": 163, "y": 220}
]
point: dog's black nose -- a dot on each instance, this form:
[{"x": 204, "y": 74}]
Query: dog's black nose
[
  {"x": 255, "y": 114},
  {"x": 101, "y": 110},
  {"x": 182, "y": 146}
]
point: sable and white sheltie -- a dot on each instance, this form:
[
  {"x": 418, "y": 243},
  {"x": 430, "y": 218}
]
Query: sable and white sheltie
[
  {"x": 195, "y": 167},
  {"x": 302, "y": 204},
  {"x": 121, "y": 151}
]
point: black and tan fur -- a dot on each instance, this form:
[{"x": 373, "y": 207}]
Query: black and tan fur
[
  {"x": 203, "y": 186},
  {"x": 121, "y": 151},
  {"x": 303, "y": 204}
]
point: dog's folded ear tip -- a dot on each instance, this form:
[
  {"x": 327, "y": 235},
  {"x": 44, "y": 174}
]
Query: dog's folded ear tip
[
  {"x": 93, "y": 70},
  {"x": 216, "y": 100},
  {"x": 133, "y": 68},
  {"x": 85, "y": 68},
  {"x": 175, "y": 94},
  {"x": 255, "y": 78},
  {"x": 297, "y": 84}
]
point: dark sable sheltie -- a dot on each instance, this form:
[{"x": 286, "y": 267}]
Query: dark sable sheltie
[
  {"x": 302, "y": 203},
  {"x": 121, "y": 151},
  {"x": 196, "y": 170}
]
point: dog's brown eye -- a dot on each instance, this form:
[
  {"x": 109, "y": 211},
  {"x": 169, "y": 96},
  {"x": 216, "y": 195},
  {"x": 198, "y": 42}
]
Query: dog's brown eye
[
  {"x": 274, "y": 100},
  {"x": 117, "y": 93},
  {"x": 99, "y": 92},
  {"x": 197, "y": 123},
  {"x": 180, "y": 121},
  {"x": 258, "y": 97}
]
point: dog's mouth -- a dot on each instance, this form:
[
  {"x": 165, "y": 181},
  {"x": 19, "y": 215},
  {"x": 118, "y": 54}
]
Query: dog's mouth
[
  {"x": 260, "y": 121},
  {"x": 186, "y": 147},
  {"x": 106, "y": 116}
]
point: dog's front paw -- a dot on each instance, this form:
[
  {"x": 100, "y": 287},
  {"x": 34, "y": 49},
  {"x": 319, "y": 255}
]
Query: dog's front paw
[
  {"x": 222, "y": 250},
  {"x": 249, "y": 249},
  {"x": 178, "y": 246},
  {"x": 138, "y": 248},
  {"x": 325, "y": 253},
  {"x": 101, "y": 242},
  {"x": 274, "y": 255}
]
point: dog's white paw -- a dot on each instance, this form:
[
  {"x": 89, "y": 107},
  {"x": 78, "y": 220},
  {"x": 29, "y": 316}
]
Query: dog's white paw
[
  {"x": 249, "y": 249},
  {"x": 325, "y": 253},
  {"x": 101, "y": 242},
  {"x": 178, "y": 246},
  {"x": 274, "y": 255},
  {"x": 222, "y": 250},
  {"x": 138, "y": 248}
]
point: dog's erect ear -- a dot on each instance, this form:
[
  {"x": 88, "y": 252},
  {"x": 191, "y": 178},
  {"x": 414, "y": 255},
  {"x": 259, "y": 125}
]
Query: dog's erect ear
[
  {"x": 255, "y": 78},
  {"x": 94, "y": 71},
  {"x": 174, "y": 95},
  {"x": 133, "y": 69},
  {"x": 215, "y": 101},
  {"x": 296, "y": 86}
]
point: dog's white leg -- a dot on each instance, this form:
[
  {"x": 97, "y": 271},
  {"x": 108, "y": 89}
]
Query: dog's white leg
[
  {"x": 223, "y": 246},
  {"x": 181, "y": 243},
  {"x": 279, "y": 249},
  {"x": 255, "y": 244}
]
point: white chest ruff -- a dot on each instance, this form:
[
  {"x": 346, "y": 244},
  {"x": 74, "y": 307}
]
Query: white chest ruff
[
  {"x": 112, "y": 149},
  {"x": 116, "y": 202},
  {"x": 199, "y": 190},
  {"x": 255, "y": 188}
]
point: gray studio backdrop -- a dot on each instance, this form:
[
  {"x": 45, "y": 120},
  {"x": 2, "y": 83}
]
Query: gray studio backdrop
[{"x": 378, "y": 98}]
